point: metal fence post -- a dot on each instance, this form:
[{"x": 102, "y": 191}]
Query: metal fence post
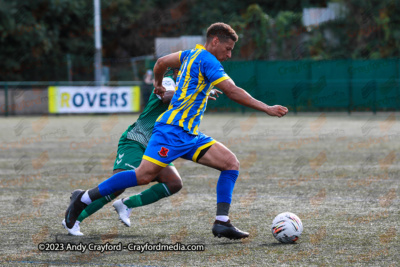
[
  {"x": 374, "y": 107},
  {"x": 6, "y": 99},
  {"x": 397, "y": 84},
  {"x": 350, "y": 91}
]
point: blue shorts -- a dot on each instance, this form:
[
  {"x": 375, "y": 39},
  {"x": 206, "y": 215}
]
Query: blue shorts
[{"x": 170, "y": 142}]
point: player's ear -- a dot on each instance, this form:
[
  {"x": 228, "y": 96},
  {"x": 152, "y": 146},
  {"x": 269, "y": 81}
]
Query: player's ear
[{"x": 215, "y": 41}]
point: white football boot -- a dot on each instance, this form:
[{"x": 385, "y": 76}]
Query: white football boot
[
  {"x": 123, "y": 211},
  {"x": 76, "y": 230}
]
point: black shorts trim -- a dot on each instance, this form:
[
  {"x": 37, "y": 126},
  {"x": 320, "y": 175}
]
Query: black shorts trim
[{"x": 202, "y": 153}]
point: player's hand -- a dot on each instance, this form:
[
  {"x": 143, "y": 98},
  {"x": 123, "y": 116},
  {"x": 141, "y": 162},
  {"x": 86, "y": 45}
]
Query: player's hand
[
  {"x": 277, "y": 110},
  {"x": 214, "y": 92},
  {"x": 159, "y": 90}
]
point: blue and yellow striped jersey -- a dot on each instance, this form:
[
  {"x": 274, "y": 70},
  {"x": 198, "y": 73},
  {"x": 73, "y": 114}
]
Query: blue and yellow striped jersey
[{"x": 200, "y": 71}]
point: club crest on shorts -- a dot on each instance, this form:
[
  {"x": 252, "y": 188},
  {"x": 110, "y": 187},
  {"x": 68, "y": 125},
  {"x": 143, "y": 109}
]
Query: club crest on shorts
[{"x": 163, "y": 152}]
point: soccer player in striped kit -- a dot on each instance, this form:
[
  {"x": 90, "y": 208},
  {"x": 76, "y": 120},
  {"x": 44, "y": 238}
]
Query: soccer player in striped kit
[{"x": 176, "y": 132}]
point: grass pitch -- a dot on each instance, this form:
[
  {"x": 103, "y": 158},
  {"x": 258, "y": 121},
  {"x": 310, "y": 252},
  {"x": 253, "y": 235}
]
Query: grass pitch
[{"x": 338, "y": 173}]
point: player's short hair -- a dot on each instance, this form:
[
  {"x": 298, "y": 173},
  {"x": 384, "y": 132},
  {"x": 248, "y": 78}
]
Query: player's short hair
[{"x": 223, "y": 31}]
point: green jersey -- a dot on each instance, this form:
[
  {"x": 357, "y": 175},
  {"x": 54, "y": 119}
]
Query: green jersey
[{"x": 142, "y": 129}]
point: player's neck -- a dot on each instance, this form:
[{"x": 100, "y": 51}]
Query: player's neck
[{"x": 210, "y": 48}]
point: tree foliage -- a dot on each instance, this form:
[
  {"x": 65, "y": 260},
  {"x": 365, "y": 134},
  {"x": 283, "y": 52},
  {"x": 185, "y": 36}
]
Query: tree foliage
[
  {"x": 36, "y": 36},
  {"x": 255, "y": 29},
  {"x": 369, "y": 30}
]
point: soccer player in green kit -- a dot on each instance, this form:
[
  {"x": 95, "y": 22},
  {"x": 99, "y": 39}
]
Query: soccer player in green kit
[{"x": 131, "y": 147}]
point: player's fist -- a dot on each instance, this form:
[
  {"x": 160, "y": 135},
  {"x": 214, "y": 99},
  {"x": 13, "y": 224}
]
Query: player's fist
[
  {"x": 159, "y": 90},
  {"x": 277, "y": 110}
]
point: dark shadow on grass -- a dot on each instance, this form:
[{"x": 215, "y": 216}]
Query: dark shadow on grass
[
  {"x": 228, "y": 242},
  {"x": 130, "y": 236},
  {"x": 276, "y": 244},
  {"x": 64, "y": 238}
]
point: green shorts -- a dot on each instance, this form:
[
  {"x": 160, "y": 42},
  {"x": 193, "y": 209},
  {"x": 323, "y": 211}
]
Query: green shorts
[{"x": 129, "y": 154}]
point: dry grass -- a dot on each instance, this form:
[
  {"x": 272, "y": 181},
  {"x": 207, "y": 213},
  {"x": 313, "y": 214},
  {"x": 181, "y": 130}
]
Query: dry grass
[{"x": 338, "y": 173}]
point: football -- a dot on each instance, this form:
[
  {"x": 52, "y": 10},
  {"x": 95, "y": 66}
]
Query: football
[{"x": 287, "y": 227}]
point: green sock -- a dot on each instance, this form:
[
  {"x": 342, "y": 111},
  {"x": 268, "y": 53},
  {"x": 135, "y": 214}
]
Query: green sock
[
  {"x": 95, "y": 206},
  {"x": 151, "y": 195}
]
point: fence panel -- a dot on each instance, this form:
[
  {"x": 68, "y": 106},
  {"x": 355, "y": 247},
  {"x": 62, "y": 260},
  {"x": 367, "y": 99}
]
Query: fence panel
[{"x": 306, "y": 85}]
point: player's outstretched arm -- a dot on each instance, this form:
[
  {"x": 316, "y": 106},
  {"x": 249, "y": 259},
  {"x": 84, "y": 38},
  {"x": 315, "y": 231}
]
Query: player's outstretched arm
[
  {"x": 161, "y": 66},
  {"x": 242, "y": 97}
]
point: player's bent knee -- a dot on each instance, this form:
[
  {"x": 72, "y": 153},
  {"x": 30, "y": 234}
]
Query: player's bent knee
[
  {"x": 175, "y": 186},
  {"x": 232, "y": 164}
]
